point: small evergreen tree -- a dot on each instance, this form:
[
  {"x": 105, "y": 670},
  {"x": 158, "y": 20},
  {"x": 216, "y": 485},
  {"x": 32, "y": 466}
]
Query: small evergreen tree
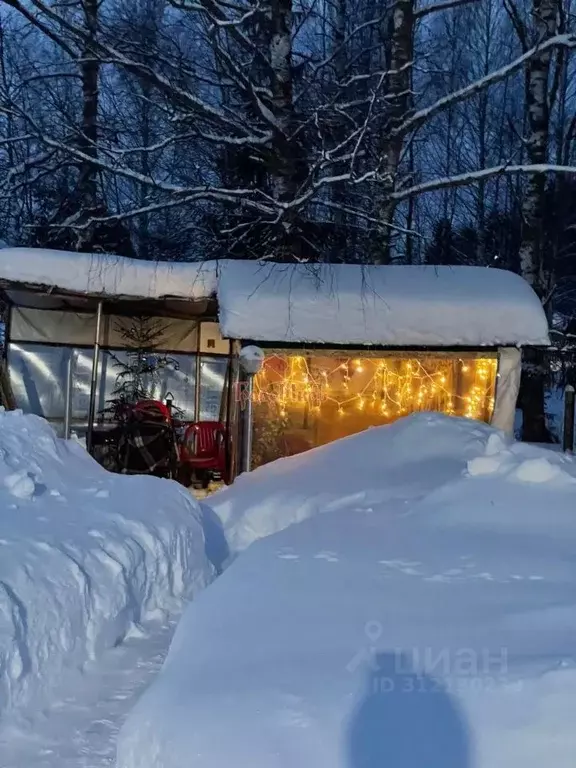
[{"x": 139, "y": 374}]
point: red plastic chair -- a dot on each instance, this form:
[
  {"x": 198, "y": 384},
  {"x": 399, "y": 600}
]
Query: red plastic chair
[{"x": 203, "y": 448}]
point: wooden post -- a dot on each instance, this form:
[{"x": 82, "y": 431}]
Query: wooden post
[{"x": 568, "y": 433}]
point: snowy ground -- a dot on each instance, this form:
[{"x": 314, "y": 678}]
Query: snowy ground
[
  {"x": 79, "y": 729},
  {"x": 404, "y": 597},
  {"x": 88, "y": 560},
  {"x": 421, "y": 613}
]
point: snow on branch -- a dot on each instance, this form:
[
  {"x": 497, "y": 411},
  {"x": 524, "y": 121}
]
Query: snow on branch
[
  {"x": 421, "y": 116},
  {"x": 480, "y": 175}
]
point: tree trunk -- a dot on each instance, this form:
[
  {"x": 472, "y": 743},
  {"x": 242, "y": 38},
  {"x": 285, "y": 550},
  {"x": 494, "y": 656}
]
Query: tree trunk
[
  {"x": 399, "y": 94},
  {"x": 88, "y": 143},
  {"x": 283, "y": 171},
  {"x": 545, "y": 13}
]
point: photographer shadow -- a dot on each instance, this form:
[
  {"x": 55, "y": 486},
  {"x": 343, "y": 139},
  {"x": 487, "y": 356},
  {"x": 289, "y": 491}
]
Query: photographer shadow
[{"x": 406, "y": 720}]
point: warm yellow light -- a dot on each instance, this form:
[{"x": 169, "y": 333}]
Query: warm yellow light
[{"x": 396, "y": 386}]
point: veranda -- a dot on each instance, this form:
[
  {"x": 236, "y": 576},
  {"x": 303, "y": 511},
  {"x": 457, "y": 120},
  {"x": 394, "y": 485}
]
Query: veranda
[{"x": 346, "y": 347}]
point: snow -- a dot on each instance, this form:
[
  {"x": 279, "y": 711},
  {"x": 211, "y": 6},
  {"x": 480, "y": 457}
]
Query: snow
[
  {"x": 333, "y": 304},
  {"x": 385, "y": 305},
  {"x": 107, "y": 274},
  {"x": 79, "y": 727},
  {"x": 87, "y": 559},
  {"x": 402, "y": 597}
]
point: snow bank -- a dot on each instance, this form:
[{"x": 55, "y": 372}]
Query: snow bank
[
  {"x": 390, "y": 465},
  {"x": 426, "y": 619},
  {"x": 86, "y": 558},
  {"x": 388, "y": 305}
]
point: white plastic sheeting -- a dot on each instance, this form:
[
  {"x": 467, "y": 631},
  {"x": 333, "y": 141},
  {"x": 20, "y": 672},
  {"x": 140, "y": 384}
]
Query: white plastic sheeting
[
  {"x": 39, "y": 375},
  {"x": 507, "y": 388}
]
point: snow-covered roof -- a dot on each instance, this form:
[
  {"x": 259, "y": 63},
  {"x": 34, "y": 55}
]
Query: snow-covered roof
[
  {"x": 102, "y": 274},
  {"x": 379, "y": 305},
  {"x": 395, "y": 306}
]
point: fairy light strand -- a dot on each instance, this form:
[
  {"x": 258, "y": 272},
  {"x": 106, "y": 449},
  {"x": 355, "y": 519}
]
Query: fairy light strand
[{"x": 390, "y": 387}]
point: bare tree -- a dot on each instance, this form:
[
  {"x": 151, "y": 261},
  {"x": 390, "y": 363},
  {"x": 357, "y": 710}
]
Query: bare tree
[{"x": 257, "y": 90}]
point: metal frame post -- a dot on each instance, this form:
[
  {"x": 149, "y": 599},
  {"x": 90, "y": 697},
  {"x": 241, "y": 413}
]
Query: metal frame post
[
  {"x": 198, "y": 374},
  {"x": 248, "y": 426},
  {"x": 94, "y": 378},
  {"x": 68, "y": 393},
  {"x": 232, "y": 416}
]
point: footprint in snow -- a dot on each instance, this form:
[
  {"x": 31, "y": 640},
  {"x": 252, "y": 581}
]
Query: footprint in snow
[
  {"x": 517, "y": 577},
  {"x": 330, "y": 557},
  {"x": 404, "y": 566}
]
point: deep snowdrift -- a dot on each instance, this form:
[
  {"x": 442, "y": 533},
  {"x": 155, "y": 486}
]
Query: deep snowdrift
[
  {"x": 428, "y": 619},
  {"x": 86, "y": 557}
]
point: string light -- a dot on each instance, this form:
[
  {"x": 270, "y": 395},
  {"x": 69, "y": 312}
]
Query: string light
[{"x": 398, "y": 385}]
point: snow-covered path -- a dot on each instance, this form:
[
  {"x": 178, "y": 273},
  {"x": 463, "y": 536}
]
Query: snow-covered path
[{"x": 80, "y": 730}]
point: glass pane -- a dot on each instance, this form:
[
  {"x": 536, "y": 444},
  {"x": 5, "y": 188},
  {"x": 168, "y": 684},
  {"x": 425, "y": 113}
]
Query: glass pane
[
  {"x": 213, "y": 377},
  {"x": 304, "y": 401},
  {"x": 177, "y": 377},
  {"x": 38, "y": 376}
]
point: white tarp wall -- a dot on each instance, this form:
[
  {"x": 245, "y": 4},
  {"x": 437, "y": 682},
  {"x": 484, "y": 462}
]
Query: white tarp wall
[
  {"x": 507, "y": 388},
  {"x": 77, "y": 329}
]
